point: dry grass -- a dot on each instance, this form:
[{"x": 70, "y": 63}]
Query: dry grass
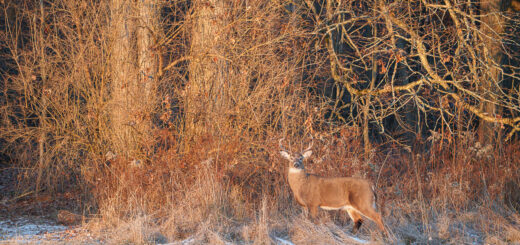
[{"x": 212, "y": 208}]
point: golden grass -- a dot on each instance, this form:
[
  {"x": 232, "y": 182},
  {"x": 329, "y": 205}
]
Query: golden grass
[{"x": 213, "y": 207}]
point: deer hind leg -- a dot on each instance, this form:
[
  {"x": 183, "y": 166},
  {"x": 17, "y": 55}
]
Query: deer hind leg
[
  {"x": 356, "y": 218},
  {"x": 372, "y": 214}
]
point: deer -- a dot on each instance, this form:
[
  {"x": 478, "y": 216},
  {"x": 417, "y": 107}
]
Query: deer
[{"x": 355, "y": 195}]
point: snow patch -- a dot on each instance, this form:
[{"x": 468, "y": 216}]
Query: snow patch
[
  {"x": 281, "y": 241},
  {"x": 358, "y": 240},
  {"x": 189, "y": 240},
  {"x": 26, "y": 228}
]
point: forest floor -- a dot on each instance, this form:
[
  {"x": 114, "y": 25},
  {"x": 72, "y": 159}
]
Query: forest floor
[
  {"x": 41, "y": 230},
  {"x": 22, "y": 229},
  {"x": 35, "y": 219},
  {"x": 45, "y": 230}
]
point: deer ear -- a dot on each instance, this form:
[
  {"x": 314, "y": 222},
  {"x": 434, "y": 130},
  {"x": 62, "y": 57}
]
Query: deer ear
[
  {"x": 285, "y": 155},
  {"x": 307, "y": 154}
]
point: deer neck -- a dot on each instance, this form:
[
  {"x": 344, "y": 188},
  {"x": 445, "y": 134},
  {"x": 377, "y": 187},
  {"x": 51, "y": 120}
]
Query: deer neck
[{"x": 295, "y": 177}]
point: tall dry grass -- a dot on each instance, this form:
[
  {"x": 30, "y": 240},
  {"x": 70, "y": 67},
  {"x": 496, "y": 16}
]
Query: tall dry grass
[
  {"x": 225, "y": 182},
  {"x": 55, "y": 87}
]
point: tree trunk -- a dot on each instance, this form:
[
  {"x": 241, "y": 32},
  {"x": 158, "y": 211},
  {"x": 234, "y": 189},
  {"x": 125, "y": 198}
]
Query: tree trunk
[
  {"x": 492, "y": 26},
  {"x": 133, "y": 74},
  {"x": 42, "y": 162},
  {"x": 206, "y": 99},
  {"x": 147, "y": 30}
]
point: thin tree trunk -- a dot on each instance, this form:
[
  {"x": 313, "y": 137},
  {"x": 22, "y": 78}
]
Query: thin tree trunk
[
  {"x": 147, "y": 62},
  {"x": 123, "y": 78},
  {"x": 133, "y": 72},
  {"x": 43, "y": 102},
  {"x": 205, "y": 102},
  {"x": 492, "y": 26}
]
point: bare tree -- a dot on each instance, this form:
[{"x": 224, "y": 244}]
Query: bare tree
[
  {"x": 492, "y": 29},
  {"x": 442, "y": 60}
]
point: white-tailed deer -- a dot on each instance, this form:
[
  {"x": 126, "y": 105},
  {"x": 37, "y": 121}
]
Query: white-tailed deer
[{"x": 354, "y": 195}]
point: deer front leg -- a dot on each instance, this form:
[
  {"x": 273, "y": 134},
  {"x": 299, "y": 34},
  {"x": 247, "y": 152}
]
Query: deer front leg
[
  {"x": 313, "y": 211},
  {"x": 356, "y": 218}
]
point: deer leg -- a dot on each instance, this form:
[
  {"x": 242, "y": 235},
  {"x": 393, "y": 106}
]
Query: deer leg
[
  {"x": 356, "y": 218},
  {"x": 376, "y": 217},
  {"x": 313, "y": 210}
]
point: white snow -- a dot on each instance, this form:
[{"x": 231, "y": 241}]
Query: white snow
[
  {"x": 24, "y": 227},
  {"x": 281, "y": 241},
  {"x": 186, "y": 241},
  {"x": 358, "y": 240}
]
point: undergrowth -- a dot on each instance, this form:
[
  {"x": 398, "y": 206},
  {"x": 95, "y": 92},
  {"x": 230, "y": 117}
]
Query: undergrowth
[{"x": 423, "y": 201}]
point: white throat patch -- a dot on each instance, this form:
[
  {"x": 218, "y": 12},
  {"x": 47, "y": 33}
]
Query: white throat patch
[{"x": 295, "y": 170}]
